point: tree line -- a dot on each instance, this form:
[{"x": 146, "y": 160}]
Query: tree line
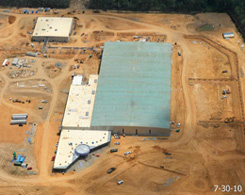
[
  {"x": 160, "y": 5},
  {"x": 35, "y": 3}
]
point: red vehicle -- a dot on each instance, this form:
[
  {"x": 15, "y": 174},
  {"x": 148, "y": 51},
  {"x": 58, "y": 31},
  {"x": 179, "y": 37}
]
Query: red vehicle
[
  {"x": 29, "y": 168},
  {"x": 53, "y": 158},
  {"x": 97, "y": 155}
]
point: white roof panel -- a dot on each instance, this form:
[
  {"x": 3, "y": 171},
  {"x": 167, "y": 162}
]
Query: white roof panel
[
  {"x": 70, "y": 139},
  {"x": 77, "y": 80},
  {"x": 80, "y": 102}
]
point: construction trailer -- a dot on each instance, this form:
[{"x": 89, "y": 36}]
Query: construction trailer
[
  {"x": 25, "y": 115},
  {"x": 18, "y": 122},
  {"x": 32, "y": 54},
  {"x": 228, "y": 35},
  {"x": 5, "y": 62},
  {"x": 18, "y": 117}
]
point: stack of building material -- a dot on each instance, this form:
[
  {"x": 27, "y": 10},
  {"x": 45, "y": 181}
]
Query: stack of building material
[
  {"x": 31, "y": 54},
  {"x": 19, "y": 119},
  {"x": 15, "y": 61}
]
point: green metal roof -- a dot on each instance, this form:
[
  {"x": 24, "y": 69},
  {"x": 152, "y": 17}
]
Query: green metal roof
[{"x": 134, "y": 85}]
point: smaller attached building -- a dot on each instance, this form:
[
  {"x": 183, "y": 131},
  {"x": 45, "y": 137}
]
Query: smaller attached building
[{"x": 54, "y": 29}]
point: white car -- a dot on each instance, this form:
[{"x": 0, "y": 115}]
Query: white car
[
  {"x": 127, "y": 153},
  {"x": 120, "y": 182}
]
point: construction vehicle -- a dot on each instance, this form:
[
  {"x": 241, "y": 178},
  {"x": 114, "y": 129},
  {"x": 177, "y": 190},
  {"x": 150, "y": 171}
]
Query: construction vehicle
[
  {"x": 120, "y": 182},
  {"x": 178, "y": 125},
  {"x": 224, "y": 97},
  {"x": 18, "y": 101},
  {"x": 111, "y": 170},
  {"x": 127, "y": 153},
  {"x": 228, "y": 91},
  {"x": 17, "y": 164},
  {"x": 113, "y": 150},
  {"x": 96, "y": 11},
  {"x": 229, "y": 120}
]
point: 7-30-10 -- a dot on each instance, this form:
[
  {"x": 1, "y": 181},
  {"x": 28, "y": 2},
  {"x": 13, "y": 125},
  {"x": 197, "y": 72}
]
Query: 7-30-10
[{"x": 228, "y": 188}]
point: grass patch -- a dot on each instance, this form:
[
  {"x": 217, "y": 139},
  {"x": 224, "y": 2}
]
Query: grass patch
[{"x": 205, "y": 27}]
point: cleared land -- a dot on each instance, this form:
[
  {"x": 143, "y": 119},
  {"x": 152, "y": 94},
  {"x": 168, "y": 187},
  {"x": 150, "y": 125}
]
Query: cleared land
[{"x": 206, "y": 151}]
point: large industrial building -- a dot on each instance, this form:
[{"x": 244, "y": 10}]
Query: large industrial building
[
  {"x": 130, "y": 95},
  {"x": 54, "y": 29},
  {"x": 133, "y": 93}
]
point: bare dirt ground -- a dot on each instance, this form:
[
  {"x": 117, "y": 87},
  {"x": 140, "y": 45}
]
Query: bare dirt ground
[{"x": 206, "y": 151}]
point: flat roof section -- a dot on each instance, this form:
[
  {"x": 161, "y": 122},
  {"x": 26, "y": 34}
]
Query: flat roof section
[
  {"x": 53, "y": 27},
  {"x": 70, "y": 139},
  {"x": 80, "y": 103},
  {"x": 134, "y": 85},
  {"x": 77, "y": 80}
]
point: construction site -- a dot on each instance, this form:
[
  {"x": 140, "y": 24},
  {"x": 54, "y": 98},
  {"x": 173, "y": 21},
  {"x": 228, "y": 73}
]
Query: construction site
[{"x": 120, "y": 103}]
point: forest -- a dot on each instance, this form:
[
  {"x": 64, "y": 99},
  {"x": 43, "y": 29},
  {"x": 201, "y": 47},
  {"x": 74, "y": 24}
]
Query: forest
[{"x": 35, "y": 3}]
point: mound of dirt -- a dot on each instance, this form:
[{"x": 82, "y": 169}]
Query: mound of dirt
[{"x": 12, "y": 19}]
